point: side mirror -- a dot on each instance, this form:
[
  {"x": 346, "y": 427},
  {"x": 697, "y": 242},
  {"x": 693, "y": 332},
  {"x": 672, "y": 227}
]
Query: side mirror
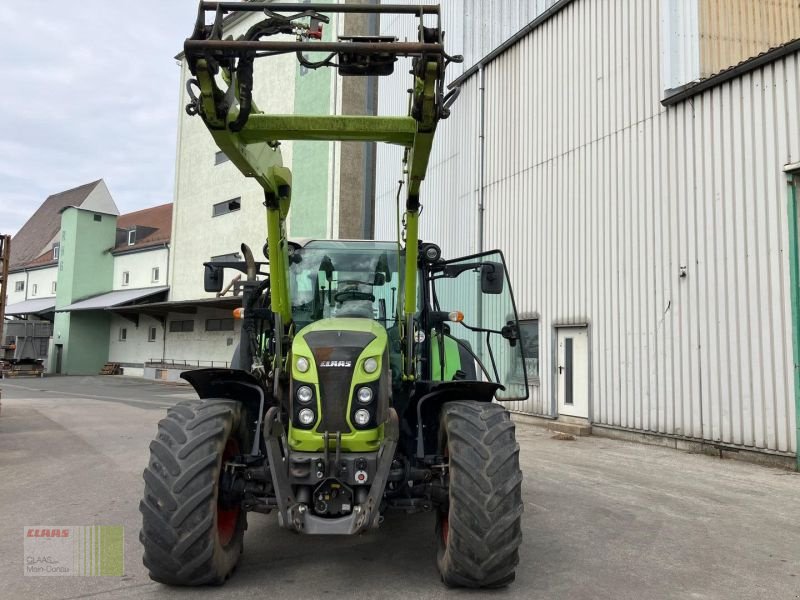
[
  {"x": 383, "y": 268},
  {"x": 326, "y": 266},
  {"x": 511, "y": 333},
  {"x": 212, "y": 279},
  {"x": 380, "y": 279},
  {"x": 492, "y": 278}
]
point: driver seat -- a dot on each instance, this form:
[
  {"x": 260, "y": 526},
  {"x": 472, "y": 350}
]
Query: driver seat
[{"x": 356, "y": 309}]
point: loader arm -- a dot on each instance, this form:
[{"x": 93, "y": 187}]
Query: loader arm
[{"x": 223, "y": 77}]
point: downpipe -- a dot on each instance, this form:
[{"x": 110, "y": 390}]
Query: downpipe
[{"x": 481, "y": 158}]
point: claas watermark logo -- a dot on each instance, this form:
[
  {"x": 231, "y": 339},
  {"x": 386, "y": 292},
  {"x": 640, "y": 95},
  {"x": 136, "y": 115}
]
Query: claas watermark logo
[{"x": 92, "y": 550}]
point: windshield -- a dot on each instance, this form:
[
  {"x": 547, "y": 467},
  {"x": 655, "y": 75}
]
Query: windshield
[{"x": 345, "y": 279}]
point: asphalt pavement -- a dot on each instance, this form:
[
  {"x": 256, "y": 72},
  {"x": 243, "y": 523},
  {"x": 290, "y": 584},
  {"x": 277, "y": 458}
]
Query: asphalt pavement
[{"x": 603, "y": 518}]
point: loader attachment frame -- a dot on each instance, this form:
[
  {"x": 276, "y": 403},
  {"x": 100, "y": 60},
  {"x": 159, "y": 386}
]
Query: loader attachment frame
[{"x": 223, "y": 80}]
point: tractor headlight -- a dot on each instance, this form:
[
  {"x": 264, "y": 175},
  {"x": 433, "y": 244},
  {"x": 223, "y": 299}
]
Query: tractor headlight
[
  {"x": 306, "y": 416},
  {"x": 365, "y": 395},
  {"x": 361, "y": 417},
  {"x": 304, "y": 394},
  {"x": 371, "y": 365},
  {"x": 302, "y": 364}
]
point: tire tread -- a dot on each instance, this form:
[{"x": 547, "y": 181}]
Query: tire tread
[
  {"x": 485, "y": 511},
  {"x": 179, "y": 503}
]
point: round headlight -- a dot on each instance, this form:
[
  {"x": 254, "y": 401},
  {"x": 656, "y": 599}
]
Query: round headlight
[
  {"x": 371, "y": 365},
  {"x": 361, "y": 417},
  {"x": 302, "y": 364},
  {"x": 306, "y": 416},
  {"x": 304, "y": 394},
  {"x": 365, "y": 395}
]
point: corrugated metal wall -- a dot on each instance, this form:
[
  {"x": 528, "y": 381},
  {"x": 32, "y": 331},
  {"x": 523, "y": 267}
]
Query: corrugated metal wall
[
  {"x": 599, "y": 196},
  {"x": 473, "y": 28},
  {"x": 734, "y": 30}
]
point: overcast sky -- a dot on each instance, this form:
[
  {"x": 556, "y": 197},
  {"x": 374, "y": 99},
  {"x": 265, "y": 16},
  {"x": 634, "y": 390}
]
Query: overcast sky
[{"x": 91, "y": 91}]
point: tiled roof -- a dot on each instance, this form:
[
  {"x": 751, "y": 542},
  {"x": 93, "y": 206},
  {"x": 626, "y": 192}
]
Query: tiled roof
[
  {"x": 30, "y": 241},
  {"x": 46, "y": 258},
  {"x": 153, "y": 227}
]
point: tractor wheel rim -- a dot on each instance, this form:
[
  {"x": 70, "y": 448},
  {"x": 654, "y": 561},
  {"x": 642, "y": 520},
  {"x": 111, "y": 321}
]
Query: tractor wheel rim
[{"x": 227, "y": 519}]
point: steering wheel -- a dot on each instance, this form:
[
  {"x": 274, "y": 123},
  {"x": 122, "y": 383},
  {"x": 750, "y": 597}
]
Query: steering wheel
[{"x": 347, "y": 295}]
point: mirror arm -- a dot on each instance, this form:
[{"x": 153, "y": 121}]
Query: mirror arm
[
  {"x": 452, "y": 271},
  {"x": 481, "y": 329}
]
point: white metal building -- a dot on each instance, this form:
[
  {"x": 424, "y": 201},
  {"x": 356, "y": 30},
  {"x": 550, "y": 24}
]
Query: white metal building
[
  {"x": 105, "y": 296},
  {"x": 629, "y": 159}
]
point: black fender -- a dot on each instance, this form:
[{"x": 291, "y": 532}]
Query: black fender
[
  {"x": 232, "y": 384},
  {"x": 431, "y": 396}
]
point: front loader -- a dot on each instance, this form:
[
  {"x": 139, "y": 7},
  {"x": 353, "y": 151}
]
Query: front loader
[{"x": 368, "y": 374}]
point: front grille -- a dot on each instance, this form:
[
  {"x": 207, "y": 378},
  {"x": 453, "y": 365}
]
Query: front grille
[{"x": 336, "y": 347}]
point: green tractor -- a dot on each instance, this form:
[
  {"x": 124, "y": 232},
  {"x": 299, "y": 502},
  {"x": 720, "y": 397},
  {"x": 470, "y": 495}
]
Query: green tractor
[{"x": 367, "y": 372}]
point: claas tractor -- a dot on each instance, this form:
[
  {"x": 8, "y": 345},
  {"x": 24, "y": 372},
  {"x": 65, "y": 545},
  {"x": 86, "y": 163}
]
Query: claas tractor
[{"x": 369, "y": 375}]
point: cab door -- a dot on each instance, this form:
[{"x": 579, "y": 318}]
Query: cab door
[{"x": 485, "y": 344}]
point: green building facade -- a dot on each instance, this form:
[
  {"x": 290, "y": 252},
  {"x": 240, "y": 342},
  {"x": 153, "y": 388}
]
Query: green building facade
[{"x": 85, "y": 269}]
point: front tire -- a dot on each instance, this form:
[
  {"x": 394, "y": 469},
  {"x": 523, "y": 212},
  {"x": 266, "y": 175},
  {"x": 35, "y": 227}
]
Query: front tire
[
  {"x": 190, "y": 533},
  {"x": 479, "y": 532}
]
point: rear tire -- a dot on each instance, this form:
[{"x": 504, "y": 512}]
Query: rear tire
[
  {"x": 480, "y": 531},
  {"x": 190, "y": 536}
]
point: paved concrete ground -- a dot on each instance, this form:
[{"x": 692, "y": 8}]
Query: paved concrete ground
[{"x": 603, "y": 518}]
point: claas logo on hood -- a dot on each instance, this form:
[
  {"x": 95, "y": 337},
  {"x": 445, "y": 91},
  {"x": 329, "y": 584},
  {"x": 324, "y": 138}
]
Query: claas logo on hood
[{"x": 336, "y": 363}]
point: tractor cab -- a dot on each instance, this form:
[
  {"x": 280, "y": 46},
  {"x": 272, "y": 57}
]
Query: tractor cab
[{"x": 344, "y": 279}]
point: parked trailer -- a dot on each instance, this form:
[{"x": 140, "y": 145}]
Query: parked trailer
[{"x": 25, "y": 349}]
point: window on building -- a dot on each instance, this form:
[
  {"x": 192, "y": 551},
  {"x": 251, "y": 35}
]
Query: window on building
[
  {"x": 156, "y": 274},
  {"x": 19, "y": 286},
  {"x": 34, "y": 289},
  {"x": 53, "y": 288},
  {"x": 222, "y": 208},
  {"x": 131, "y": 237},
  {"x": 219, "y": 324},
  {"x": 126, "y": 277},
  {"x": 123, "y": 334},
  {"x": 98, "y": 218},
  {"x": 220, "y": 157},
  {"x": 151, "y": 334},
  {"x": 56, "y": 251},
  {"x": 185, "y": 326},
  {"x": 529, "y": 332}
]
